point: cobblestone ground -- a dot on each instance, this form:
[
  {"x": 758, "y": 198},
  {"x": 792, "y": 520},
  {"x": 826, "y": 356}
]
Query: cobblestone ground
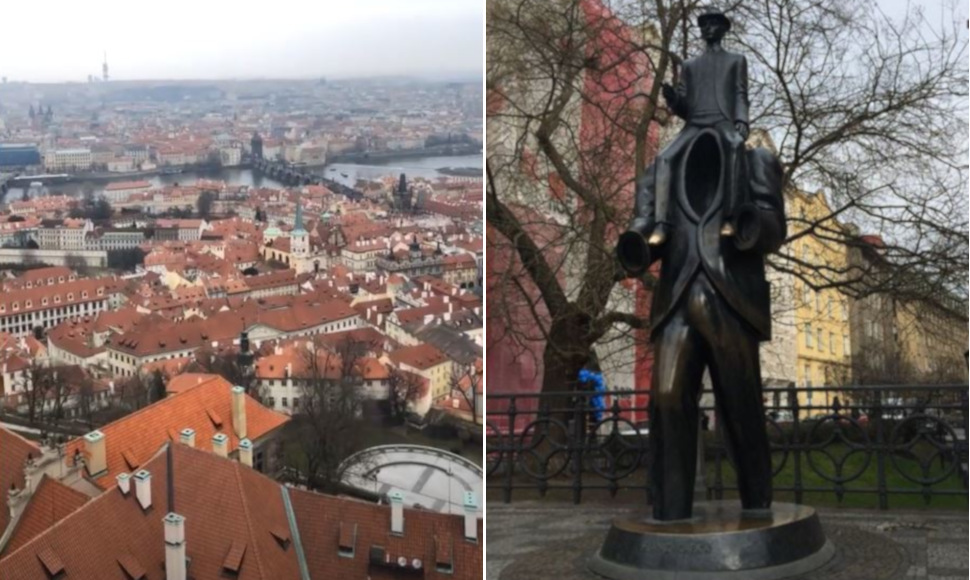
[{"x": 532, "y": 540}]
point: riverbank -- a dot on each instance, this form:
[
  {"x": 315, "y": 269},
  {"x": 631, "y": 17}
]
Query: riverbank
[
  {"x": 367, "y": 157},
  {"x": 461, "y": 171},
  {"x": 107, "y": 177}
]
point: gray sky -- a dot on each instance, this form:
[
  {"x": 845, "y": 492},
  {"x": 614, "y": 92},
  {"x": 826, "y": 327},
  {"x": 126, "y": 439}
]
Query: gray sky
[{"x": 64, "y": 40}]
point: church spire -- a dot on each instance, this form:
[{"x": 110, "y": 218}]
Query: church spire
[{"x": 298, "y": 222}]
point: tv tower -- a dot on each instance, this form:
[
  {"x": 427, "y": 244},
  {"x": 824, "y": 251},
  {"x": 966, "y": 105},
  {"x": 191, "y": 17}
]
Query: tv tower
[{"x": 104, "y": 67}]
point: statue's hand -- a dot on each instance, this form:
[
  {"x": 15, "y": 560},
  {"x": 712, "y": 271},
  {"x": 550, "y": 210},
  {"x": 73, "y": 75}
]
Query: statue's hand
[
  {"x": 742, "y": 128},
  {"x": 670, "y": 95}
]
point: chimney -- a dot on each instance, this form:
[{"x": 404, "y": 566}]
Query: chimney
[
  {"x": 175, "y": 568},
  {"x": 143, "y": 488},
  {"x": 246, "y": 452},
  {"x": 124, "y": 483},
  {"x": 220, "y": 444},
  {"x": 187, "y": 437},
  {"x": 239, "y": 411},
  {"x": 397, "y": 512},
  {"x": 94, "y": 446},
  {"x": 471, "y": 517}
]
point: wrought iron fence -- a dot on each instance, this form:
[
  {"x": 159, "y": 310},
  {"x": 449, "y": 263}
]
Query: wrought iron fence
[{"x": 873, "y": 440}]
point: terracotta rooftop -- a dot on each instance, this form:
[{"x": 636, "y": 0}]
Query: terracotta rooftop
[
  {"x": 207, "y": 408},
  {"x": 186, "y": 381},
  {"x": 52, "y": 501},
  {"x": 422, "y": 356},
  {"x": 238, "y": 517}
]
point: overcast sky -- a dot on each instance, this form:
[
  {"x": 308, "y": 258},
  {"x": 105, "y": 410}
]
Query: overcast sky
[{"x": 64, "y": 40}]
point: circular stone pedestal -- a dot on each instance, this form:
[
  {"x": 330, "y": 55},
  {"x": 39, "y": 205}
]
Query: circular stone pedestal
[{"x": 721, "y": 541}]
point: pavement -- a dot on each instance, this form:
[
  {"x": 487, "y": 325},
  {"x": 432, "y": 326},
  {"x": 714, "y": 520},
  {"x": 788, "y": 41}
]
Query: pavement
[
  {"x": 532, "y": 539},
  {"x": 428, "y": 477}
]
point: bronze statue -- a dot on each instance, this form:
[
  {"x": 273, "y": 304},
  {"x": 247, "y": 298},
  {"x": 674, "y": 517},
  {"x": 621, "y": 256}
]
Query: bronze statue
[{"x": 709, "y": 210}]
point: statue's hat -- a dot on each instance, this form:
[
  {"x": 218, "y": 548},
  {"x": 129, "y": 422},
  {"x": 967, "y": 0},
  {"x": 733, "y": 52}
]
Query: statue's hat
[{"x": 709, "y": 12}]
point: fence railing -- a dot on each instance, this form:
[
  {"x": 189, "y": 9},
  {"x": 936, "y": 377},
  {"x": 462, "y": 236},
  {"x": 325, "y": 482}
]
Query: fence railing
[{"x": 881, "y": 441}]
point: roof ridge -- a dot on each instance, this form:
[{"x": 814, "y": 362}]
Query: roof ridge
[
  {"x": 45, "y": 482},
  {"x": 249, "y": 523},
  {"x": 19, "y": 436}
]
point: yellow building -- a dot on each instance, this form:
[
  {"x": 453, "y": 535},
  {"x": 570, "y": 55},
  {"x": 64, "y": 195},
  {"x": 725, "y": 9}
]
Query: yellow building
[{"x": 818, "y": 254}]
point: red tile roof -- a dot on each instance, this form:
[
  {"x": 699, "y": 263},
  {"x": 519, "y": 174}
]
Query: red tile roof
[
  {"x": 52, "y": 501},
  {"x": 143, "y": 432},
  {"x": 223, "y": 503},
  {"x": 230, "y": 510},
  {"x": 319, "y": 519},
  {"x": 422, "y": 356}
]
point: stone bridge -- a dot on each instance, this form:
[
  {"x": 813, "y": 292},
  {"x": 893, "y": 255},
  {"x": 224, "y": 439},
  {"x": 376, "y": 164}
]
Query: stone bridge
[{"x": 296, "y": 176}]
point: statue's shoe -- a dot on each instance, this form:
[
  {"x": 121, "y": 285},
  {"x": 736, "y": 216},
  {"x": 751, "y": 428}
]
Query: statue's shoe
[{"x": 659, "y": 235}]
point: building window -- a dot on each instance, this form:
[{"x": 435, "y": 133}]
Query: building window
[
  {"x": 821, "y": 342},
  {"x": 832, "y": 342},
  {"x": 845, "y": 343},
  {"x": 808, "y": 335},
  {"x": 284, "y": 402}
]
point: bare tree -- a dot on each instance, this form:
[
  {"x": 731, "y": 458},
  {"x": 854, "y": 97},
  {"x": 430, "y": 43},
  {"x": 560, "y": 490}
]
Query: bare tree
[
  {"x": 87, "y": 403},
  {"x": 37, "y": 382},
  {"x": 466, "y": 382},
  {"x": 141, "y": 390},
  {"x": 867, "y": 107},
  {"x": 404, "y": 389},
  {"x": 328, "y": 419}
]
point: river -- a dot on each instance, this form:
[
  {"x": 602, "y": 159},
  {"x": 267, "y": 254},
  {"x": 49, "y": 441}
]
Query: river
[{"x": 346, "y": 173}]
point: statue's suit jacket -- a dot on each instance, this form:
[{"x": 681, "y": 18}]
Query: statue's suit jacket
[
  {"x": 714, "y": 80},
  {"x": 695, "y": 245}
]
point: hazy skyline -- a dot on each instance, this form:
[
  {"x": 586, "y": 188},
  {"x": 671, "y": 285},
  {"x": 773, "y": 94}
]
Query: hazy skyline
[{"x": 182, "y": 39}]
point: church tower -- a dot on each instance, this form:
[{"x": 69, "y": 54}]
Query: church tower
[
  {"x": 299, "y": 238},
  {"x": 256, "y": 146},
  {"x": 402, "y": 195}
]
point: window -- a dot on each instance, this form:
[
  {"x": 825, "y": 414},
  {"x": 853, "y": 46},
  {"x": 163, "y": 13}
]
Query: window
[
  {"x": 296, "y": 402},
  {"x": 808, "y": 335},
  {"x": 845, "y": 311},
  {"x": 818, "y": 302},
  {"x": 832, "y": 342},
  {"x": 845, "y": 343},
  {"x": 821, "y": 343},
  {"x": 830, "y": 307},
  {"x": 807, "y": 377},
  {"x": 285, "y": 403}
]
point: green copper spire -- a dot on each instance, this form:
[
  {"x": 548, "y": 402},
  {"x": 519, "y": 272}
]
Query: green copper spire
[{"x": 298, "y": 222}]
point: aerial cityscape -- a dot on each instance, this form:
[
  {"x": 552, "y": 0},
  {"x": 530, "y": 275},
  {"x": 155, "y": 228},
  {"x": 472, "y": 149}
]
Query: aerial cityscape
[{"x": 241, "y": 326}]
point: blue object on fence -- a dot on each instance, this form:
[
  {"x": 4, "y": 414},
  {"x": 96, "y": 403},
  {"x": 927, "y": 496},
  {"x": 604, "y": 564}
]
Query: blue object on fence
[{"x": 598, "y": 403}]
